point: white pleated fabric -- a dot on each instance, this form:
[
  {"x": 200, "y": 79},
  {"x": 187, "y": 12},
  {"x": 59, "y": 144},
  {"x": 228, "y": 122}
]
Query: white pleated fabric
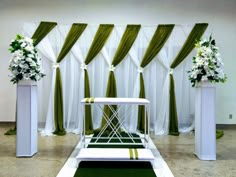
[{"x": 127, "y": 74}]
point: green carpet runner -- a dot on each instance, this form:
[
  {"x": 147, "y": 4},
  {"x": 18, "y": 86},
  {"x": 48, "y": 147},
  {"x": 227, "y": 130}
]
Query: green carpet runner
[{"x": 115, "y": 168}]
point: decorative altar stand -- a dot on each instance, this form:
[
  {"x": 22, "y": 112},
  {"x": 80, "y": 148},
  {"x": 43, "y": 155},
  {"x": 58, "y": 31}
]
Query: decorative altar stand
[
  {"x": 128, "y": 146},
  {"x": 27, "y": 119},
  {"x": 205, "y": 125}
]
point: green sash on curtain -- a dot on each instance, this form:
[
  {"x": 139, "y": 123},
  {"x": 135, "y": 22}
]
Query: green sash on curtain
[
  {"x": 99, "y": 41},
  {"x": 158, "y": 40},
  {"x": 43, "y": 29},
  {"x": 126, "y": 42},
  {"x": 73, "y": 35},
  {"x": 188, "y": 46}
]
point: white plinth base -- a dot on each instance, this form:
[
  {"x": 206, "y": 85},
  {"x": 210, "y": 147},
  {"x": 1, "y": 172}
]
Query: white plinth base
[
  {"x": 205, "y": 126},
  {"x": 27, "y": 119}
]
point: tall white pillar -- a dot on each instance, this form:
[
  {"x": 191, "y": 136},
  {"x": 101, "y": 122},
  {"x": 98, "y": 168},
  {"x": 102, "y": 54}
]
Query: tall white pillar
[
  {"x": 27, "y": 119},
  {"x": 205, "y": 126}
]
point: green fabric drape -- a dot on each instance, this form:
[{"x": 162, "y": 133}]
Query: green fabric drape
[
  {"x": 158, "y": 40},
  {"x": 58, "y": 105},
  {"x": 112, "y": 92},
  {"x": 99, "y": 41},
  {"x": 173, "y": 125},
  {"x": 73, "y": 35},
  {"x": 188, "y": 46},
  {"x": 43, "y": 29},
  {"x": 126, "y": 42},
  {"x": 141, "y": 109},
  {"x": 75, "y": 32},
  {"x": 87, "y": 113}
]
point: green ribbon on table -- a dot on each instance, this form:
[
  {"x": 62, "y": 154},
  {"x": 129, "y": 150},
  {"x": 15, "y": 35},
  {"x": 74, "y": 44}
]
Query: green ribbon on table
[
  {"x": 133, "y": 154},
  {"x": 89, "y": 100}
]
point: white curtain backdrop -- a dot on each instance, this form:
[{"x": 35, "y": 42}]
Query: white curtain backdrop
[{"x": 127, "y": 73}]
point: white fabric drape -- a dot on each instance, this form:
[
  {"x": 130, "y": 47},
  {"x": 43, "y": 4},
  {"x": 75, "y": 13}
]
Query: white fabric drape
[
  {"x": 73, "y": 81},
  {"x": 182, "y": 87},
  {"x": 127, "y": 73}
]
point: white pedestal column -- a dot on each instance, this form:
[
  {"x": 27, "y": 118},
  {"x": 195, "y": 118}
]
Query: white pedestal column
[
  {"x": 27, "y": 119},
  {"x": 205, "y": 126}
]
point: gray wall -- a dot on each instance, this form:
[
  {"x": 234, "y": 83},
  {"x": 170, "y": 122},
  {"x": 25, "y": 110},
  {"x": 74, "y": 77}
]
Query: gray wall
[{"x": 219, "y": 14}]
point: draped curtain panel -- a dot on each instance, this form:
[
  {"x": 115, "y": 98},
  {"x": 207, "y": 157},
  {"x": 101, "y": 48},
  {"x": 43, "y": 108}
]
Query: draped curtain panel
[
  {"x": 158, "y": 40},
  {"x": 188, "y": 46},
  {"x": 125, "y": 44},
  {"x": 73, "y": 35},
  {"x": 43, "y": 29},
  {"x": 99, "y": 41},
  {"x": 137, "y": 60}
]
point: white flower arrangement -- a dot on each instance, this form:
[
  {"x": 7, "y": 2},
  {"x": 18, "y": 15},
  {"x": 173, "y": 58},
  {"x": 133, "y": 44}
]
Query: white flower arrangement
[
  {"x": 25, "y": 63},
  {"x": 207, "y": 64}
]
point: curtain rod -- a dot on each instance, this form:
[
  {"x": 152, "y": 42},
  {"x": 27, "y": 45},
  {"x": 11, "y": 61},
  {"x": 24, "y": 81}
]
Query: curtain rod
[{"x": 143, "y": 25}]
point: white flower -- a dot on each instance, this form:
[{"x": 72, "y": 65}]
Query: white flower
[
  {"x": 199, "y": 61},
  {"x": 29, "y": 59},
  {"x": 18, "y": 53},
  {"x": 16, "y": 59},
  {"x": 29, "y": 48},
  {"x": 194, "y": 74},
  {"x": 23, "y": 45},
  {"x": 206, "y": 68},
  {"x": 33, "y": 63},
  {"x": 207, "y": 52},
  {"x": 26, "y": 76},
  {"x": 25, "y": 62},
  {"x": 30, "y": 55},
  {"x": 28, "y": 40},
  {"x": 207, "y": 65}
]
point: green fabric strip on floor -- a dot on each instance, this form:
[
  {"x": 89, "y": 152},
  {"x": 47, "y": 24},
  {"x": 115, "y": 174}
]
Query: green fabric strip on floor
[
  {"x": 219, "y": 134},
  {"x": 11, "y": 131},
  {"x": 115, "y": 168}
]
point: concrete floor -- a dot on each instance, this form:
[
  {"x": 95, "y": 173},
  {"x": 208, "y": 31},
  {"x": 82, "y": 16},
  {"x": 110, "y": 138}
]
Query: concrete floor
[
  {"x": 176, "y": 151},
  {"x": 178, "y": 154}
]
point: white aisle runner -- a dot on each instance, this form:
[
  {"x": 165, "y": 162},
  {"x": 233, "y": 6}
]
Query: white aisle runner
[{"x": 159, "y": 165}]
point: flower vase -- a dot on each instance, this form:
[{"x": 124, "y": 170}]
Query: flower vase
[
  {"x": 205, "y": 126},
  {"x": 27, "y": 119}
]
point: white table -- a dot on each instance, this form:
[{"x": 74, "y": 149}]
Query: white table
[{"x": 117, "y": 114}]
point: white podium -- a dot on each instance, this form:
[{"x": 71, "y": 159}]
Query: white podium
[
  {"x": 27, "y": 119},
  {"x": 205, "y": 126}
]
